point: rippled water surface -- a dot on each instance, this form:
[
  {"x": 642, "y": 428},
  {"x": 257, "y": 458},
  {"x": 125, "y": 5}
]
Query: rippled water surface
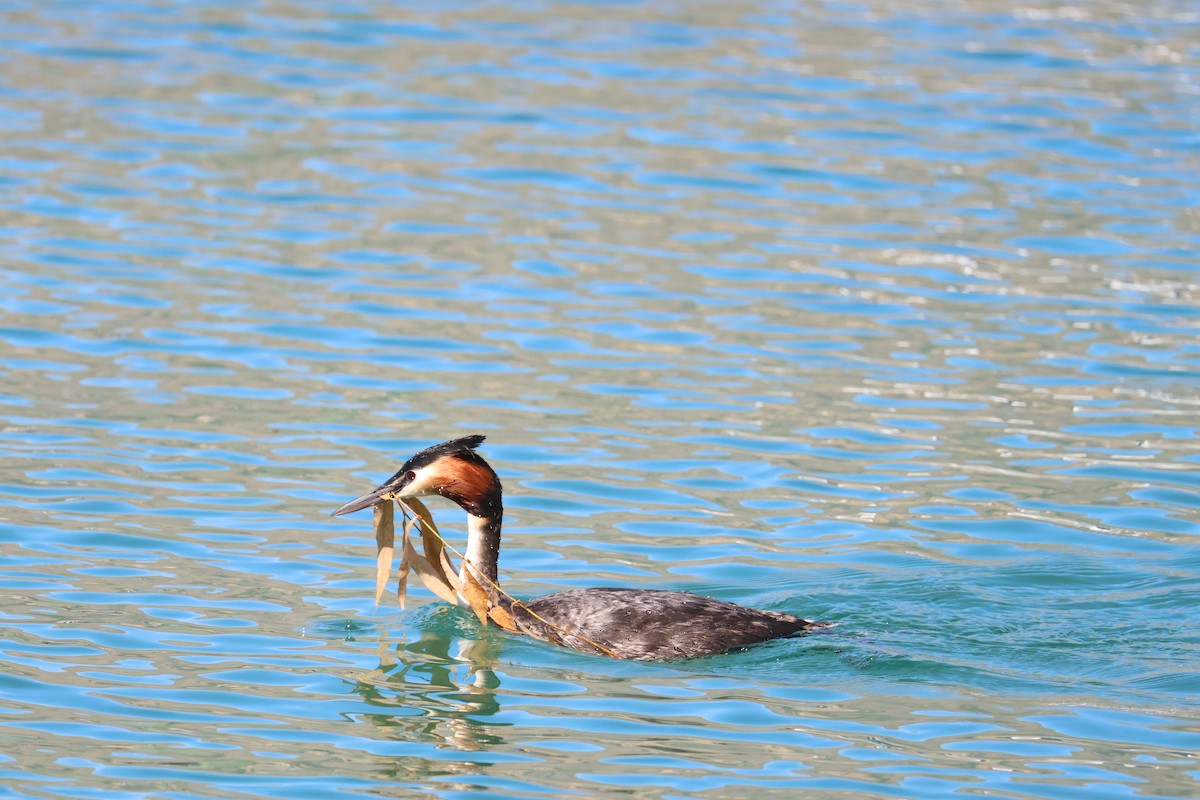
[{"x": 880, "y": 313}]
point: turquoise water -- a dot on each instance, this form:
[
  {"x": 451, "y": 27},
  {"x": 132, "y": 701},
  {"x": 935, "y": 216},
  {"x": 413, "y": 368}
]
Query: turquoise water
[{"x": 883, "y": 314}]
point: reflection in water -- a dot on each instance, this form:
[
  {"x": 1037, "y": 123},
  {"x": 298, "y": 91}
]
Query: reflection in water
[{"x": 432, "y": 695}]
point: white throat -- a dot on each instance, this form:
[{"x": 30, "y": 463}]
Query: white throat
[{"x": 477, "y": 554}]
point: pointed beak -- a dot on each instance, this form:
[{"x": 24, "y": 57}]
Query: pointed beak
[{"x": 380, "y": 495}]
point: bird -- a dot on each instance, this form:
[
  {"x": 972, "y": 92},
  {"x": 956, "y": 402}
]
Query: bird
[{"x": 637, "y": 624}]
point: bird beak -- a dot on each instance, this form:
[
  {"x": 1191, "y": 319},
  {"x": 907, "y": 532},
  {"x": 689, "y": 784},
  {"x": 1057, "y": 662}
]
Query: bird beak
[{"x": 380, "y": 495}]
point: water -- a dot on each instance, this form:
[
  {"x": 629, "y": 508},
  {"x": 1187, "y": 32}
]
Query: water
[{"x": 883, "y": 314}]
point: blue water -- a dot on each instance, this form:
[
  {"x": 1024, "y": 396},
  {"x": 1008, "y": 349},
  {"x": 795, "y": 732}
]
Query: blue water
[{"x": 883, "y": 314}]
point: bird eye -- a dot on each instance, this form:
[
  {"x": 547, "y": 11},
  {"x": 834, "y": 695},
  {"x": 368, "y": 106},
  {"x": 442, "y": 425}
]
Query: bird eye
[{"x": 410, "y": 476}]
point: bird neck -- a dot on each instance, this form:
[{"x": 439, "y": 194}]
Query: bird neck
[
  {"x": 483, "y": 551},
  {"x": 473, "y": 485}
]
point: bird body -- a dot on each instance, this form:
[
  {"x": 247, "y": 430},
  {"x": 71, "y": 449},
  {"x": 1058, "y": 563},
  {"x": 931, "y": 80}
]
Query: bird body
[
  {"x": 641, "y": 624},
  {"x": 650, "y": 624}
]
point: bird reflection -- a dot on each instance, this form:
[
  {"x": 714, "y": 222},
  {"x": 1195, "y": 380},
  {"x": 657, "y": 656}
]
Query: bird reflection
[{"x": 439, "y": 689}]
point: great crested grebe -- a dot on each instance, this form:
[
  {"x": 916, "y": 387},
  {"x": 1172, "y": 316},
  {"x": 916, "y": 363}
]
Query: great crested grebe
[{"x": 642, "y": 624}]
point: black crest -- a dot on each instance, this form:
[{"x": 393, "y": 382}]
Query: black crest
[{"x": 464, "y": 447}]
